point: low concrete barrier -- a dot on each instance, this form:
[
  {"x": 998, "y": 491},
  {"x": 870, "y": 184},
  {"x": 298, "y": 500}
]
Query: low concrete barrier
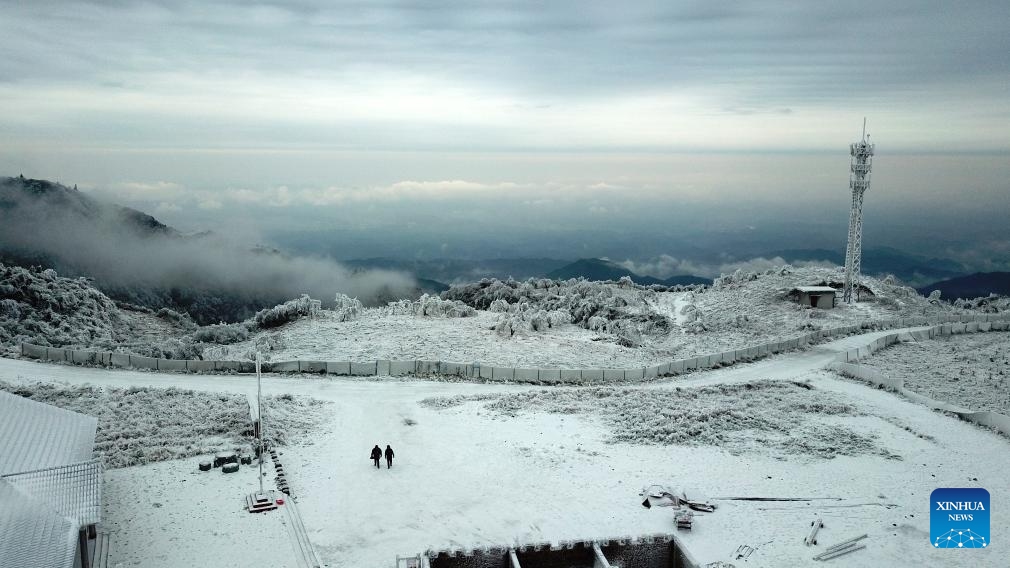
[
  {"x": 571, "y": 375},
  {"x": 401, "y": 368},
  {"x": 939, "y": 326},
  {"x": 988, "y": 419},
  {"x": 172, "y": 365},
  {"x": 526, "y": 375},
  {"x": 195, "y": 366},
  {"x": 359, "y": 369}
]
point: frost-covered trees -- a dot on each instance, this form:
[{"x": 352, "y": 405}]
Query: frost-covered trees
[
  {"x": 287, "y": 312},
  {"x": 347, "y": 308},
  {"x": 431, "y": 306}
]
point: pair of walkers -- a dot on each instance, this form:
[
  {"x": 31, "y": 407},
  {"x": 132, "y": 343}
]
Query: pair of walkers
[{"x": 377, "y": 454}]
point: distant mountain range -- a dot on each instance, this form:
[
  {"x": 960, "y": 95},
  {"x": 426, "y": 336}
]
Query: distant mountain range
[
  {"x": 433, "y": 274},
  {"x": 971, "y": 286},
  {"x": 913, "y": 269},
  {"x": 600, "y": 269}
]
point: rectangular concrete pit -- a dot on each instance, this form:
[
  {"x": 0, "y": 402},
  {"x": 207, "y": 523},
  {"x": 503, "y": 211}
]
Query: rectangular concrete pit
[
  {"x": 649, "y": 553},
  {"x": 661, "y": 551},
  {"x": 488, "y": 558},
  {"x": 579, "y": 555}
]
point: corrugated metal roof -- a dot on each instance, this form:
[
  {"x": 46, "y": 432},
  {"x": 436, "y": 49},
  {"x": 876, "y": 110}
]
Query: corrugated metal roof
[
  {"x": 37, "y": 436},
  {"x": 31, "y": 534},
  {"x": 73, "y": 490}
]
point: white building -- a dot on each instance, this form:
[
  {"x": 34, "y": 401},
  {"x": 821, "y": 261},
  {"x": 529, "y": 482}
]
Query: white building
[
  {"x": 50, "y": 485},
  {"x": 815, "y": 296}
]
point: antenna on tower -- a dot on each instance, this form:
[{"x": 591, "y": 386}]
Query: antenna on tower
[{"x": 859, "y": 181}]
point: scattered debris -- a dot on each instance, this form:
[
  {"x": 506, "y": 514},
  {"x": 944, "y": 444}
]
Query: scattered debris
[
  {"x": 664, "y": 497},
  {"x": 743, "y": 552},
  {"x": 814, "y": 527},
  {"x": 684, "y": 519},
  {"x": 842, "y": 548}
]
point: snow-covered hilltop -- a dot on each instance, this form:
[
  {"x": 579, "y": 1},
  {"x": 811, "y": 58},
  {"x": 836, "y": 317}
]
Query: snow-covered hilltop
[{"x": 575, "y": 323}]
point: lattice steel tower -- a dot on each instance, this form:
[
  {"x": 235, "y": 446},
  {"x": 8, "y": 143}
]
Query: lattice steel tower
[{"x": 859, "y": 182}]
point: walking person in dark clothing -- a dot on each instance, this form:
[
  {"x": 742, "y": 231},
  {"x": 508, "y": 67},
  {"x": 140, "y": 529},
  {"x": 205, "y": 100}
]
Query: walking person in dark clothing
[
  {"x": 389, "y": 457},
  {"x": 376, "y": 454}
]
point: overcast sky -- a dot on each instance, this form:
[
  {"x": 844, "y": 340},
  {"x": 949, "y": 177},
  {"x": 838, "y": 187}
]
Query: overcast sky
[{"x": 309, "y": 113}]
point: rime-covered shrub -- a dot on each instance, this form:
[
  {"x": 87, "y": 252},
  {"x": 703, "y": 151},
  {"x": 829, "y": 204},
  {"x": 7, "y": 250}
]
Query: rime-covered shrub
[
  {"x": 499, "y": 306},
  {"x": 509, "y": 325},
  {"x": 627, "y": 333},
  {"x": 42, "y": 308},
  {"x": 431, "y": 306},
  {"x": 222, "y": 334},
  {"x": 934, "y": 296},
  {"x": 284, "y": 313},
  {"x": 347, "y": 308},
  {"x": 434, "y": 306},
  {"x": 557, "y": 318},
  {"x": 173, "y": 316},
  {"x": 10, "y": 309}
]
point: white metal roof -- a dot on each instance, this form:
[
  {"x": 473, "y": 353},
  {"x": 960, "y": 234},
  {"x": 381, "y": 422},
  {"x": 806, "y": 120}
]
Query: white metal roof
[
  {"x": 816, "y": 289},
  {"x": 37, "y": 436},
  {"x": 33, "y": 534}
]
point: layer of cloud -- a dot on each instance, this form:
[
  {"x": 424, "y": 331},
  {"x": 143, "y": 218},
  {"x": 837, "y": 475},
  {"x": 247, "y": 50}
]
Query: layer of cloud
[
  {"x": 666, "y": 266},
  {"x": 311, "y": 74}
]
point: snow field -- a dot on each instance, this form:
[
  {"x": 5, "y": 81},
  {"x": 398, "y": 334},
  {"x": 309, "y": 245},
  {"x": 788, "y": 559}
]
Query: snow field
[
  {"x": 970, "y": 370},
  {"x": 170, "y": 514},
  {"x": 774, "y": 418},
  {"x": 468, "y": 475}
]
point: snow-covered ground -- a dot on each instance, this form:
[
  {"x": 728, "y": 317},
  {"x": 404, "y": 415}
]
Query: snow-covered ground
[
  {"x": 736, "y": 313},
  {"x": 172, "y": 514},
  {"x": 971, "y": 370},
  {"x": 468, "y": 475}
]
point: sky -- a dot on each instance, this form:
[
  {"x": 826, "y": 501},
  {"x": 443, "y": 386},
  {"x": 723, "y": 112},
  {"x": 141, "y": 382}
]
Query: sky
[{"x": 484, "y": 129}]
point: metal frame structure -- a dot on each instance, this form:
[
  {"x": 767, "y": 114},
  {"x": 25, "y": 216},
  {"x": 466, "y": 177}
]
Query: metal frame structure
[{"x": 859, "y": 181}]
